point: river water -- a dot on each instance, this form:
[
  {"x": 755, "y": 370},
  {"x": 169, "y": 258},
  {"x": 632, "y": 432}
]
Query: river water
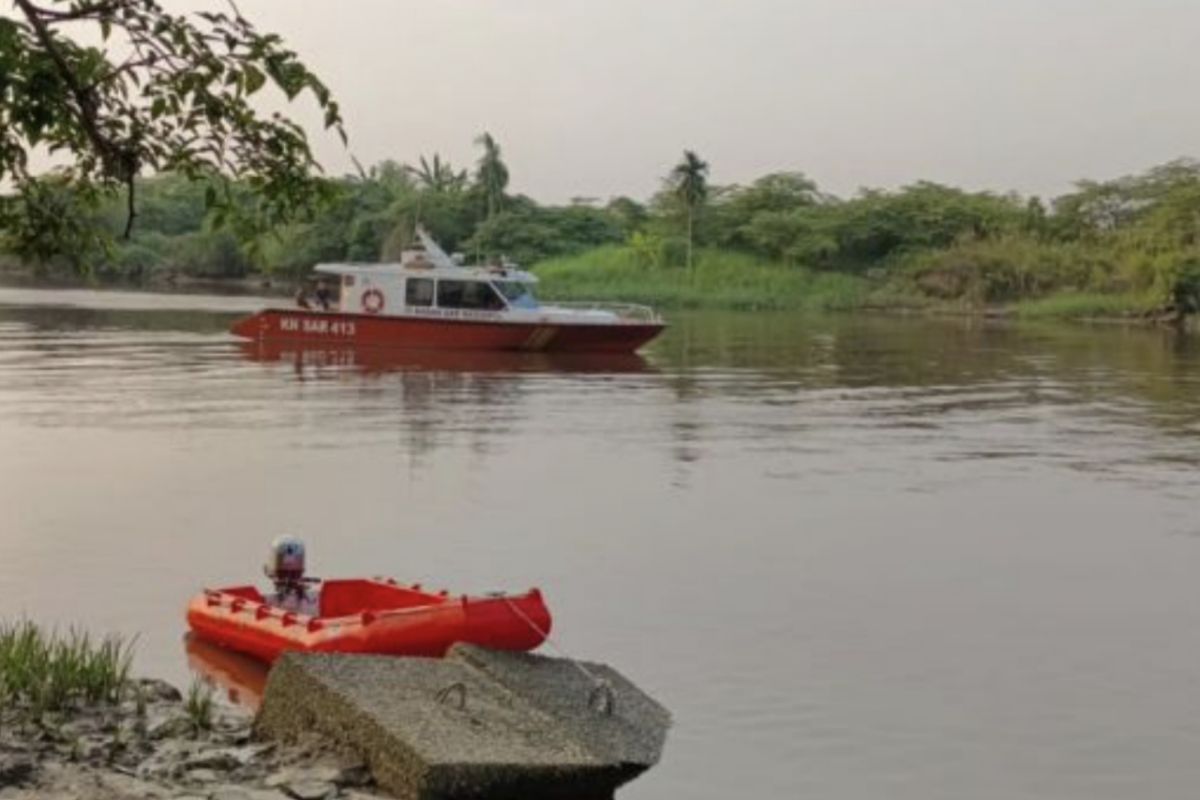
[{"x": 856, "y": 557}]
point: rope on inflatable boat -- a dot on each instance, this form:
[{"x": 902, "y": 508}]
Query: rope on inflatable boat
[{"x": 603, "y": 690}]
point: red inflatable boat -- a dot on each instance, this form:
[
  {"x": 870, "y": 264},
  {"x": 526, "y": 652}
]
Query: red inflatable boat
[{"x": 369, "y": 616}]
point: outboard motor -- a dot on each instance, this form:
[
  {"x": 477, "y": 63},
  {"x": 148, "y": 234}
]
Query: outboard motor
[
  {"x": 285, "y": 568},
  {"x": 285, "y": 562}
]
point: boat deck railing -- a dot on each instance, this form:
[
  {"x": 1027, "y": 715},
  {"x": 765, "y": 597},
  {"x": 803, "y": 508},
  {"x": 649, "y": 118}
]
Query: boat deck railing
[{"x": 627, "y": 312}]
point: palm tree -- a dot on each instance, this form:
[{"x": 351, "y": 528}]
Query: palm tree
[
  {"x": 490, "y": 173},
  {"x": 689, "y": 182},
  {"x": 438, "y": 175}
]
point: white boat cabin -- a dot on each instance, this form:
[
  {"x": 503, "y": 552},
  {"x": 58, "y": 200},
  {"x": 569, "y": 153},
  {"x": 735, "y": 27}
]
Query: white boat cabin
[
  {"x": 427, "y": 282},
  {"x": 415, "y": 286}
]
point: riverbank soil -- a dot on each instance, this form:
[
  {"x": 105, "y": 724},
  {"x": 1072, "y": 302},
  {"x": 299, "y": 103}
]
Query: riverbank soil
[{"x": 152, "y": 748}]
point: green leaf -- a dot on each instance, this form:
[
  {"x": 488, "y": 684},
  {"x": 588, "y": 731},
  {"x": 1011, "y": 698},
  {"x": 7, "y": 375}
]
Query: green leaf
[{"x": 254, "y": 78}]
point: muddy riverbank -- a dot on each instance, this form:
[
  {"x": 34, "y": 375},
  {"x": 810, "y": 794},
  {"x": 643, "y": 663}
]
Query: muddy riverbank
[{"x": 152, "y": 745}]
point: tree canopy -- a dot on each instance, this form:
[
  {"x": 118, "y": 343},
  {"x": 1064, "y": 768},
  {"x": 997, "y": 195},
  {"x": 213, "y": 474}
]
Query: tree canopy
[
  {"x": 689, "y": 184},
  {"x": 438, "y": 175},
  {"x": 491, "y": 174},
  {"x": 115, "y": 89}
]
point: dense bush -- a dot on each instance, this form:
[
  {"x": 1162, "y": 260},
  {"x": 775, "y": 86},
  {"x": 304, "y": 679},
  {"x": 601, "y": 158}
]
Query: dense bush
[
  {"x": 532, "y": 233},
  {"x": 1005, "y": 269}
]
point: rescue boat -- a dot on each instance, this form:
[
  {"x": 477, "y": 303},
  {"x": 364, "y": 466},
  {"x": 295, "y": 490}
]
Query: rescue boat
[
  {"x": 368, "y": 616},
  {"x": 430, "y": 300}
]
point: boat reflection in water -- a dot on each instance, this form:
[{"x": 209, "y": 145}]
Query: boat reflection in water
[
  {"x": 378, "y": 360},
  {"x": 241, "y": 678}
]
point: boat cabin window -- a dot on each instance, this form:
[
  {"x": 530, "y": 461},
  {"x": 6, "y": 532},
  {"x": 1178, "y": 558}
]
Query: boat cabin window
[
  {"x": 418, "y": 292},
  {"x": 517, "y": 293},
  {"x": 475, "y": 295}
]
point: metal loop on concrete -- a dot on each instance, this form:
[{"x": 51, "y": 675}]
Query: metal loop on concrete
[
  {"x": 458, "y": 690},
  {"x": 602, "y": 699}
]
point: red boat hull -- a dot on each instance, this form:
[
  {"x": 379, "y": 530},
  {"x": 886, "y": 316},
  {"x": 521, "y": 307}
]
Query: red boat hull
[
  {"x": 369, "y": 616},
  {"x": 445, "y": 333}
]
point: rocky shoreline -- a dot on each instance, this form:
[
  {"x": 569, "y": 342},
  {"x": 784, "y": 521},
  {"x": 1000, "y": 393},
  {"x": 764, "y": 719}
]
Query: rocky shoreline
[{"x": 150, "y": 746}]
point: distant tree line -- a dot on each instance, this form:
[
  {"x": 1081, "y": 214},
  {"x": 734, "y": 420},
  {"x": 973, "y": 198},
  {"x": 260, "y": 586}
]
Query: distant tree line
[
  {"x": 1135, "y": 234},
  {"x": 169, "y": 165}
]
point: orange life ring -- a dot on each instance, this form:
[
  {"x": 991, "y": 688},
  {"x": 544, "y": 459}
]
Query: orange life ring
[{"x": 372, "y": 301}]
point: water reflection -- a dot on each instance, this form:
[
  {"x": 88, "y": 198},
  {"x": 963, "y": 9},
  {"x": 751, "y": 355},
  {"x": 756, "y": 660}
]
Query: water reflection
[
  {"x": 431, "y": 397},
  {"x": 242, "y": 679},
  {"x": 310, "y": 358},
  {"x": 68, "y": 320}
]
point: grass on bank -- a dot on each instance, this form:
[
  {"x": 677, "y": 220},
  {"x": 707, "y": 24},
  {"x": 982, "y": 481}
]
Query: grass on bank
[
  {"x": 48, "y": 671},
  {"x": 1088, "y": 305},
  {"x": 199, "y": 705},
  {"x": 720, "y": 279}
]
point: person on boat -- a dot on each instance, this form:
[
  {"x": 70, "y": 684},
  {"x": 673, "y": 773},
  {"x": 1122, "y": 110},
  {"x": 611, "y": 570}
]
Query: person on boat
[
  {"x": 301, "y": 298},
  {"x": 324, "y": 295},
  {"x": 293, "y": 590}
]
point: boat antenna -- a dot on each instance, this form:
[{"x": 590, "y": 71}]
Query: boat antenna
[{"x": 436, "y": 254}]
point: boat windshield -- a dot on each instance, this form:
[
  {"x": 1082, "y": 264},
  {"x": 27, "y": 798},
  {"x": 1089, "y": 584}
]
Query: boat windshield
[{"x": 517, "y": 293}]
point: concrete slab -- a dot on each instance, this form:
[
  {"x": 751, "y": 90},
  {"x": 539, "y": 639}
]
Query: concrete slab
[
  {"x": 632, "y": 730},
  {"x": 475, "y": 724}
]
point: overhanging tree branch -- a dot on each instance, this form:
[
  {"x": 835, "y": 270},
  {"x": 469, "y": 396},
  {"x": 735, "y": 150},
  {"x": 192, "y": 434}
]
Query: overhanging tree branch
[
  {"x": 86, "y": 11},
  {"x": 119, "y": 163},
  {"x": 181, "y": 101}
]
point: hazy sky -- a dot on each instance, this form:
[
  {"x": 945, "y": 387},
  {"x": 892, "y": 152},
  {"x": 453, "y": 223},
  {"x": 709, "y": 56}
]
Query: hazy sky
[{"x": 599, "y": 97}]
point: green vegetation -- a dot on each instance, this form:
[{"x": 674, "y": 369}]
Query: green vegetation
[
  {"x": 1128, "y": 247},
  {"x": 117, "y": 88},
  {"x": 199, "y": 705},
  {"x": 720, "y": 279},
  {"x": 1087, "y": 305},
  {"x": 689, "y": 182},
  {"x": 491, "y": 174},
  {"x": 48, "y": 672}
]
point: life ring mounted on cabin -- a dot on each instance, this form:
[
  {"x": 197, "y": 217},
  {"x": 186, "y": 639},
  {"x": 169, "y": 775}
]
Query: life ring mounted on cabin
[{"x": 372, "y": 301}]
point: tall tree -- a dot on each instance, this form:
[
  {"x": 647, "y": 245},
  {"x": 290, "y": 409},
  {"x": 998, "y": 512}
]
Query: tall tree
[
  {"x": 437, "y": 175},
  {"x": 689, "y": 182},
  {"x": 160, "y": 91},
  {"x": 491, "y": 174}
]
